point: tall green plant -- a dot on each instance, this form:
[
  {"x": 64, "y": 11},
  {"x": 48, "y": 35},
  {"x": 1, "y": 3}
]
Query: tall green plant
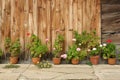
[
  {"x": 37, "y": 49},
  {"x": 58, "y": 45},
  {"x": 15, "y": 48},
  {"x": 7, "y": 44}
]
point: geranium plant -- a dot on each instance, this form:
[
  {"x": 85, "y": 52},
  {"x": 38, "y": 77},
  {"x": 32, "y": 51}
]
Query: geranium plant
[
  {"x": 58, "y": 46},
  {"x": 73, "y": 52},
  {"x": 37, "y": 49},
  {"x": 109, "y": 50},
  {"x": 94, "y": 52}
]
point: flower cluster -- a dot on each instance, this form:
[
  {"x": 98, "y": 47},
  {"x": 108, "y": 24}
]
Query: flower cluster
[
  {"x": 64, "y": 56},
  {"x": 108, "y": 49}
]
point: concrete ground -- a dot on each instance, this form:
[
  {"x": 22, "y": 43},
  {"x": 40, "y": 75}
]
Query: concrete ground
[{"x": 61, "y": 72}]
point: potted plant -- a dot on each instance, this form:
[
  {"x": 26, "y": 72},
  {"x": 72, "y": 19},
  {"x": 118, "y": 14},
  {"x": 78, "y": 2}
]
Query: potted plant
[
  {"x": 36, "y": 48},
  {"x": 109, "y": 52},
  {"x": 58, "y": 48},
  {"x": 94, "y": 56},
  {"x": 14, "y": 51},
  {"x": 73, "y": 54}
]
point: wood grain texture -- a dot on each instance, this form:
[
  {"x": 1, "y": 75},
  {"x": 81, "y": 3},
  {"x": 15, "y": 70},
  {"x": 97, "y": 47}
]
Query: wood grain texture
[
  {"x": 111, "y": 20},
  {"x": 45, "y": 17}
]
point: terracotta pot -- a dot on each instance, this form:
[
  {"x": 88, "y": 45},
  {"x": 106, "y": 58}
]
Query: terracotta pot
[
  {"x": 111, "y": 61},
  {"x": 35, "y": 60},
  {"x": 94, "y": 60},
  {"x": 13, "y": 60},
  {"x": 56, "y": 61},
  {"x": 75, "y": 61}
]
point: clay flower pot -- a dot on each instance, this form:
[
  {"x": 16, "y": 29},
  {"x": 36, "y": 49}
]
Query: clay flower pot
[
  {"x": 94, "y": 60},
  {"x": 111, "y": 61},
  {"x": 35, "y": 60},
  {"x": 13, "y": 60},
  {"x": 56, "y": 61},
  {"x": 75, "y": 61}
]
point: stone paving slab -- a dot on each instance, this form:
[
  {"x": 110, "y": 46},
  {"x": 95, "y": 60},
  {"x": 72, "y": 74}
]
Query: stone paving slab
[
  {"x": 107, "y": 72},
  {"x": 61, "y": 72}
]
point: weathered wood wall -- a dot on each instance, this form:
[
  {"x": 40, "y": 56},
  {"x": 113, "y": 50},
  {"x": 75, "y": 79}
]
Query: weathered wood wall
[
  {"x": 111, "y": 20},
  {"x": 44, "y": 17}
]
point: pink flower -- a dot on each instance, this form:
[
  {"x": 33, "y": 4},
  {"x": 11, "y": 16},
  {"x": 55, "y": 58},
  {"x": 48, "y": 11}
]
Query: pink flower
[
  {"x": 78, "y": 49},
  {"x": 57, "y": 30},
  {"x": 53, "y": 48},
  {"x": 88, "y": 50},
  {"x": 47, "y": 40},
  {"x": 73, "y": 39},
  {"x": 64, "y": 56}
]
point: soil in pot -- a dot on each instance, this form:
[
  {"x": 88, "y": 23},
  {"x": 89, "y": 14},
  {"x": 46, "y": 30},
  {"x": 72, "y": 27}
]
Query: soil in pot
[
  {"x": 94, "y": 60},
  {"x": 56, "y": 61}
]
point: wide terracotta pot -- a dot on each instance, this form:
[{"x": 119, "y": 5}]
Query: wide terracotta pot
[
  {"x": 56, "y": 61},
  {"x": 13, "y": 60},
  {"x": 36, "y": 60},
  {"x": 94, "y": 60},
  {"x": 75, "y": 61},
  {"x": 111, "y": 61}
]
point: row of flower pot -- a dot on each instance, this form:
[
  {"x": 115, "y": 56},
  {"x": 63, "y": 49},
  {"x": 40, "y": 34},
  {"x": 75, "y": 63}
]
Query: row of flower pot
[
  {"x": 93, "y": 59},
  {"x": 83, "y": 45}
]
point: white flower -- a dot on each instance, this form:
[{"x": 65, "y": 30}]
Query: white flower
[
  {"x": 104, "y": 44},
  {"x": 94, "y": 49},
  {"x": 73, "y": 39},
  {"x": 79, "y": 44},
  {"x": 78, "y": 49},
  {"x": 101, "y": 45}
]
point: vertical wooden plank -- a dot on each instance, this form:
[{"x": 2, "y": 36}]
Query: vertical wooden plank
[
  {"x": 84, "y": 15},
  {"x": 74, "y": 15},
  {"x": 87, "y": 16},
  {"x": 39, "y": 18},
  {"x": 48, "y": 21},
  {"x": 43, "y": 21},
  {"x": 26, "y": 25},
  {"x": 93, "y": 15},
  {"x": 53, "y": 20},
  {"x": 3, "y": 25},
  {"x": 31, "y": 16},
  {"x": 80, "y": 16},
  {"x": 98, "y": 13},
  {"x": 64, "y": 20},
  {"x": 14, "y": 20},
  {"x": 56, "y": 28},
  {"x": 70, "y": 27},
  {"x": 20, "y": 20},
  {"x": 35, "y": 16},
  {"x": 6, "y": 23}
]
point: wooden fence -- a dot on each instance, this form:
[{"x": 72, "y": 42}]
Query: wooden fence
[{"x": 44, "y": 17}]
